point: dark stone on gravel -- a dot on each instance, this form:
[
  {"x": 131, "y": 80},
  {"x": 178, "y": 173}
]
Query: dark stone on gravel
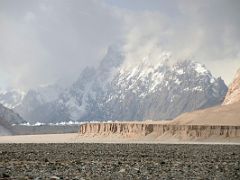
[
  {"x": 5, "y": 175},
  {"x": 119, "y": 161}
]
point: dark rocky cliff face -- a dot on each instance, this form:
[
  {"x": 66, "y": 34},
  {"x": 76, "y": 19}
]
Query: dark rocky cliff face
[
  {"x": 9, "y": 116},
  {"x": 7, "y": 119}
]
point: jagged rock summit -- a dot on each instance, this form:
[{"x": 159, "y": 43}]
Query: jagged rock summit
[{"x": 233, "y": 94}]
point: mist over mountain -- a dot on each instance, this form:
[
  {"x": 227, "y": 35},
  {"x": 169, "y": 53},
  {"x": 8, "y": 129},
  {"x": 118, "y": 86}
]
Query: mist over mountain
[
  {"x": 117, "y": 90},
  {"x": 44, "y": 41},
  {"x": 157, "y": 70},
  {"x": 37, "y": 98}
]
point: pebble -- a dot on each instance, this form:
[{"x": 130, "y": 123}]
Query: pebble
[
  {"x": 54, "y": 178},
  {"x": 122, "y": 170},
  {"x": 119, "y": 161}
]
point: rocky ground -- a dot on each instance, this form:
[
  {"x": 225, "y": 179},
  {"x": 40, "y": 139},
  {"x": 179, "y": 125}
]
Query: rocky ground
[{"x": 119, "y": 161}]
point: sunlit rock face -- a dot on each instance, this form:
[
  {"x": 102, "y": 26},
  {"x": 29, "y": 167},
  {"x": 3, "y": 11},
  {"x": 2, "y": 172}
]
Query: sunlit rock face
[
  {"x": 141, "y": 130},
  {"x": 233, "y": 94}
]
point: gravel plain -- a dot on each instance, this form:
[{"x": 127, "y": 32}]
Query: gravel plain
[{"x": 119, "y": 161}]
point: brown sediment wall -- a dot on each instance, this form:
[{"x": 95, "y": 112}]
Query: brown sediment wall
[{"x": 145, "y": 129}]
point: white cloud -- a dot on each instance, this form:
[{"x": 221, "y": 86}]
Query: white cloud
[
  {"x": 29, "y": 17},
  {"x": 43, "y": 41},
  {"x": 206, "y": 31}
]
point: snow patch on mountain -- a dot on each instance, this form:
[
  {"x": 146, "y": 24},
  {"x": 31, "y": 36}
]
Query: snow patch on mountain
[
  {"x": 11, "y": 98},
  {"x": 200, "y": 68}
]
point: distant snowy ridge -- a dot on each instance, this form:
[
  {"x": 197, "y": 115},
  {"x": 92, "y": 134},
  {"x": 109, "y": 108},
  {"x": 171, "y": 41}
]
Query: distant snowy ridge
[{"x": 69, "y": 123}]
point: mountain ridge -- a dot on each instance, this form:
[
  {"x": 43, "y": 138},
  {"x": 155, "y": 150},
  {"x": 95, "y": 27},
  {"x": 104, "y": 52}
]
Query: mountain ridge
[
  {"x": 117, "y": 90},
  {"x": 114, "y": 91}
]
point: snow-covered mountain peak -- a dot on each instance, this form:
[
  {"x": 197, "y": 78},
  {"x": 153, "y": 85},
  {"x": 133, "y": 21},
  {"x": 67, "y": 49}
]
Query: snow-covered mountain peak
[
  {"x": 154, "y": 78},
  {"x": 148, "y": 88},
  {"x": 165, "y": 56},
  {"x": 149, "y": 60}
]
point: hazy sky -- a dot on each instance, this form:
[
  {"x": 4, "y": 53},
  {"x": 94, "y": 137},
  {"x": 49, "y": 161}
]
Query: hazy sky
[{"x": 43, "y": 41}]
